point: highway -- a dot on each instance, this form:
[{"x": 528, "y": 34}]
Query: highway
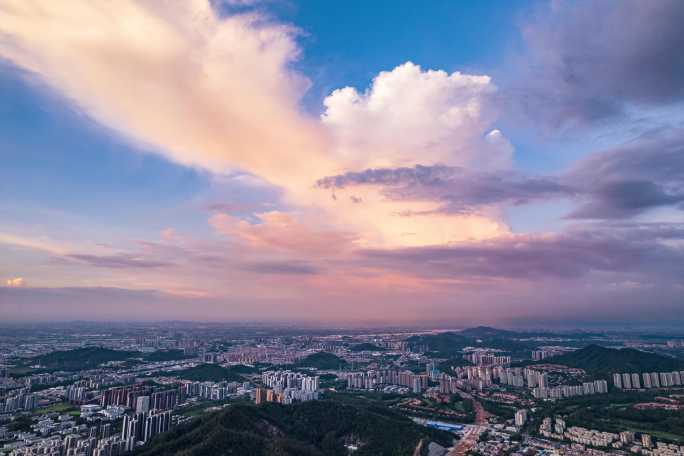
[{"x": 472, "y": 433}]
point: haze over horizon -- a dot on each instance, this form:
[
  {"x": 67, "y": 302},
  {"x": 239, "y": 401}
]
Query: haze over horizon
[{"x": 515, "y": 164}]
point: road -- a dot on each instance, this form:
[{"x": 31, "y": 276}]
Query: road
[
  {"x": 466, "y": 443},
  {"x": 472, "y": 433},
  {"x": 418, "y": 449}
]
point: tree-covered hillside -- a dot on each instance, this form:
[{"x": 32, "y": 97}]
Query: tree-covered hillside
[
  {"x": 322, "y": 360},
  {"x": 80, "y": 358},
  {"x": 601, "y": 360},
  {"x": 315, "y": 428},
  {"x": 446, "y": 344},
  {"x": 450, "y": 344}
]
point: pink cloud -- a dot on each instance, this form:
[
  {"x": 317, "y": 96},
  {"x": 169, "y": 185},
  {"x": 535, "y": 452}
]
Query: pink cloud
[
  {"x": 16, "y": 282},
  {"x": 281, "y": 231}
]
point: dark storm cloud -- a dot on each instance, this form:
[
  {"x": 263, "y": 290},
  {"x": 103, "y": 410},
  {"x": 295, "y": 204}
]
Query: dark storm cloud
[{"x": 590, "y": 60}]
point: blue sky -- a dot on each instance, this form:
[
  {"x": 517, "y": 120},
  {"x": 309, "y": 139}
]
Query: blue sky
[
  {"x": 349, "y": 43},
  {"x": 232, "y": 155}
]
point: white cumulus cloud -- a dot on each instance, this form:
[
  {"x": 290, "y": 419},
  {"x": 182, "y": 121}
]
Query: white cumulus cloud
[{"x": 413, "y": 116}]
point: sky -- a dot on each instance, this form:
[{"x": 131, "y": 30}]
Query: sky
[{"x": 446, "y": 163}]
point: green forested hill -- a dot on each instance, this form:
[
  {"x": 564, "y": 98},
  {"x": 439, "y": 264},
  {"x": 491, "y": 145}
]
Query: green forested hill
[
  {"x": 316, "y": 428},
  {"x": 81, "y": 358},
  {"x": 446, "y": 344},
  {"x": 451, "y": 344},
  {"x": 601, "y": 360},
  {"x": 322, "y": 360},
  {"x": 92, "y": 357}
]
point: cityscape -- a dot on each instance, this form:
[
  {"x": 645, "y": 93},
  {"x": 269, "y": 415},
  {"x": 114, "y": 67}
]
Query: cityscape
[
  {"x": 341, "y": 228},
  {"x": 96, "y": 389}
]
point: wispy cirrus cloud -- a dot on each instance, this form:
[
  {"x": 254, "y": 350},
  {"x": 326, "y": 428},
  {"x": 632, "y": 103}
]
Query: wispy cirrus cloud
[
  {"x": 120, "y": 260},
  {"x": 108, "y": 58}
]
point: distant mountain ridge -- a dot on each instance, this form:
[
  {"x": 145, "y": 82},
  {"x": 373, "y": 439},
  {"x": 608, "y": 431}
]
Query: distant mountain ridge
[
  {"x": 450, "y": 344},
  {"x": 92, "y": 357},
  {"x": 82, "y": 358},
  {"x": 487, "y": 331}
]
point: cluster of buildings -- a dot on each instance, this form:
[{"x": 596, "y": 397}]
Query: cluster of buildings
[
  {"x": 565, "y": 391},
  {"x": 287, "y": 379},
  {"x": 211, "y": 391},
  {"x": 272, "y": 354},
  {"x": 482, "y": 377},
  {"x": 123, "y": 395},
  {"x": 83, "y": 390},
  {"x": 286, "y": 387},
  {"x": 66, "y": 438},
  {"x": 665, "y": 449},
  {"x": 21, "y": 399},
  {"x": 520, "y": 377},
  {"x": 556, "y": 428},
  {"x": 479, "y": 377},
  {"x": 42, "y": 379},
  {"x": 72, "y": 440},
  {"x": 547, "y": 352},
  {"x": 100, "y": 380},
  {"x": 140, "y": 427},
  {"x": 496, "y": 440},
  {"x": 487, "y": 358},
  {"x": 91, "y": 444},
  {"x": 77, "y": 394},
  {"x": 60, "y": 435},
  {"x": 520, "y": 417},
  {"x": 93, "y": 412},
  {"x": 9, "y": 383},
  {"x": 648, "y": 380},
  {"x": 373, "y": 379},
  {"x": 139, "y": 395}
]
